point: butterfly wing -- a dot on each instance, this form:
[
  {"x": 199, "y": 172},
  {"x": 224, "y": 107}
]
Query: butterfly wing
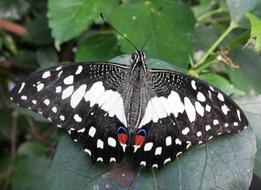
[
  {"x": 84, "y": 99},
  {"x": 183, "y": 111}
]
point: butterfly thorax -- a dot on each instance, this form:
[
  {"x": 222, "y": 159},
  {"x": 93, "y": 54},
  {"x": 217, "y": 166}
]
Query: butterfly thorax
[{"x": 137, "y": 91}]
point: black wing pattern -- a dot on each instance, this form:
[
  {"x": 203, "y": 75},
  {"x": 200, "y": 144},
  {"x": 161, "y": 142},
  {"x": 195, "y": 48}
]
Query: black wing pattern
[
  {"x": 82, "y": 98},
  {"x": 183, "y": 111}
]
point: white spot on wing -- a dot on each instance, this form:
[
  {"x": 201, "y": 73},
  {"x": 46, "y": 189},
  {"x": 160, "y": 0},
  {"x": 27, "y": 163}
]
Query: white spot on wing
[
  {"x": 238, "y": 115},
  {"x": 199, "y": 133},
  {"x": 199, "y": 108},
  {"x": 39, "y": 87},
  {"x": 143, "y": 163},
  {"x": 108, "y": 100},
  {"x": 148, "y": 146},
  {"x": 168, "y": 141},
  {"x": 81, "y": 130},
  {"x": 167, "y": 160},
  {"x": 193, "y": 85},
  {"x": 94, "y": 93},
  {"x": 201, "y": 97},
  {"x": 47, "y": 102},
  {"x": 23, "y": 97},
  {"x": 225, "y": 109},
  {"x": 100, "y": 144},
  {"x": 161, "y": 107},
  {"x": 215, "y": 122},
  {"x": 190, "y": 109},
  {"x": 158, "y": 111},
  {"x": 62, "y": 118},
  {"x": 58, "y": 89},
  {"x": 46, "y": 74},
  {"x": 175, "y": 103},
  {"x": 54, "y": 109},
  {"x": 68, "y": 80},
  {"x": 78, "y": 95},
  {"x": 79, "y": 70},
  {"x": 220, "y": 97},
  {"x": 207, "y": 127},
  {"x": 177, "y": 141},
  {"x": 99, "y": 159},
  {"x": 111, "y": 142},
  {"x": 21, "y": 88},
  {"x": 67, "y": 92},
  {"x": 77, "y": 118},
  {"x": 87, "y": 151},
  {"x": 112, "y": 159},
  {"x": 185, "y": 131},
  {"x": 208, "y": 108},
  {"x": 92, "y": 131},
  {"x": 158, "y": 151}
]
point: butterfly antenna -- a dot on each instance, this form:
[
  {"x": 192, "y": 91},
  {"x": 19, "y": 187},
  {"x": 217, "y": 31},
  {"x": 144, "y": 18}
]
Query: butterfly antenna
[
  {"x": 118, "y": 32},
  {"x": 149, "y": 35}
]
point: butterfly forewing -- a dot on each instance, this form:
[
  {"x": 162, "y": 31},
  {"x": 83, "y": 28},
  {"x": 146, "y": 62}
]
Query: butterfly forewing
[
  {"x": 82, "y": 98},
  {"x": 183, "y": 111}
]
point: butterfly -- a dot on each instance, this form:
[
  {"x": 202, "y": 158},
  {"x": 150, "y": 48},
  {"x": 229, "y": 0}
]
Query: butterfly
[{"x": 111, "y": 109}]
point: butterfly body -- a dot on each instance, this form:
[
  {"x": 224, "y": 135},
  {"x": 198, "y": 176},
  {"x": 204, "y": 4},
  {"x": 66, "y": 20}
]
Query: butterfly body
[{"x": 112, "y": 108}]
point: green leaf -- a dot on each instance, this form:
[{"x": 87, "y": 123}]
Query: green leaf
[
  {"x": 68, "y": 19},
  {"x": 13, "y": 9},
  {"x": 98, "y": 47},
  {"x": 30, "y": 173},
  {"x": 6, "y": 122},
  {"x": 211, "y": 31},
  {"x": 255, "y": 29},
  {"x": 225, "y": 162},
  {"x": 32, "y": 149},
  {"x": 252, "y": 108},
  {"x": 245, "y": 78},
  {"x": 222, "y": 83},
  {"x": 38, "y": 31},
  {"x": 238, "y": 9},
  {"x": 151, "y": 63},
  {"x": 171, "y": 32},
  {"x": 46, "y": 57}
]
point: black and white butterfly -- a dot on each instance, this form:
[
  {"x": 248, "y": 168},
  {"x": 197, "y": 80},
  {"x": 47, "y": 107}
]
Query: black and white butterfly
[{"x": 109, "y": 108}]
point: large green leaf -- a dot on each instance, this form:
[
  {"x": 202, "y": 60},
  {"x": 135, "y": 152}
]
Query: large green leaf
[
  {"x": 98, "y": 47},
  {"x": 171, "y": 33},
  {"x": 68, "y": 19},
  {"x": 30, "y": 173},
  {"x": 238, "y": 9},
  {"x": 247, "y": 77},
  {"x": 225, "y": 162},
  {"x": 252, "y": 108},
  {"x": 255, "y": 29},
  {"x": 38, "y": 31}
]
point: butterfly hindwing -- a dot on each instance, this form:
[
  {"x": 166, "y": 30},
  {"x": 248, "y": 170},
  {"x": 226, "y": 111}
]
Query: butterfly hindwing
[
  {"x": 82, "y": 98},
  {"x": 183, "y": 111}
]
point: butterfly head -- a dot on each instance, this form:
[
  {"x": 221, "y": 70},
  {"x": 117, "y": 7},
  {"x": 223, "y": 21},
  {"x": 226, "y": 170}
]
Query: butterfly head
[{"x": 138, "y": 58}]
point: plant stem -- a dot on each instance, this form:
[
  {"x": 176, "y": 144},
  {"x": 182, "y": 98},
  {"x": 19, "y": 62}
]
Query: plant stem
[
  {"x": 196, "y": 71},
  {"x": 209, "y": 13},
  {"x": 231, "y": 27}
]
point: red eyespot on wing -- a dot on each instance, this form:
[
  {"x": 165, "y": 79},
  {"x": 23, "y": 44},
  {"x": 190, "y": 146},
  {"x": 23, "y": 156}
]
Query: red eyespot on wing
[
  {"x": 139, "y": 140},
  {"x": 122, "y": 137}
]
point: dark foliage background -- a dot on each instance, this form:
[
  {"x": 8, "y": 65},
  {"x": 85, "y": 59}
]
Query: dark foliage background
[{"x": 215, "y": 40}]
